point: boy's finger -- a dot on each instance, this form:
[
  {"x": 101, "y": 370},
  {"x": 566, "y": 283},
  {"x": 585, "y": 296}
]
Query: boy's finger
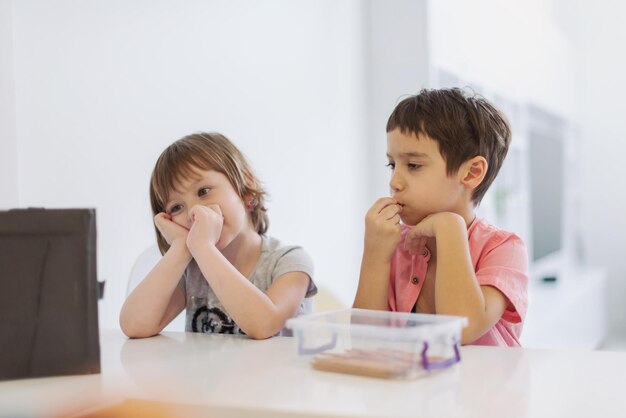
[
  {"x": 382, "y": 203},
  {"x": 390, "y": 211}
]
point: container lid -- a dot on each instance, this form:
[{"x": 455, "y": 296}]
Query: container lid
[{"x": 403, "y": 326}]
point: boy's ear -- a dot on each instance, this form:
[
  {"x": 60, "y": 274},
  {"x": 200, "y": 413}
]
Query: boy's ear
[{"x": 473, "y": 171}]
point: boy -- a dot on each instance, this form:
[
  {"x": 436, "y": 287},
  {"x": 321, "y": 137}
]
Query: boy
[{"x": 425, "y": 251}]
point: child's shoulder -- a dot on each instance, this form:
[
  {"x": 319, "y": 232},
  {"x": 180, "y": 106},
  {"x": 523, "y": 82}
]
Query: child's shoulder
[
  {"x": 485, "y": 234},
  {"x": 275, "y": 246},
  {"x": 284, "y": 257}
]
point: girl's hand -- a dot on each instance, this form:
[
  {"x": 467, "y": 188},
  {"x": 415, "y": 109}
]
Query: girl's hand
[
  {"x": 206, "y": 226},
  {"x": 382, "y": 228},
  {"x": 170, "y": 230}
]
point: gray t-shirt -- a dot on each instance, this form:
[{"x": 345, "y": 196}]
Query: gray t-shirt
[{"x": 205, "y": 312}]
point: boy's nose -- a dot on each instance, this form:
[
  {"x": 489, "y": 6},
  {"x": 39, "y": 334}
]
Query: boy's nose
[{"x": 395, "y": 183}]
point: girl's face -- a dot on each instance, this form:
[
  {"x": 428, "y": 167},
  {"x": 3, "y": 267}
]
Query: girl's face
[{"x": 210, "y": 187}]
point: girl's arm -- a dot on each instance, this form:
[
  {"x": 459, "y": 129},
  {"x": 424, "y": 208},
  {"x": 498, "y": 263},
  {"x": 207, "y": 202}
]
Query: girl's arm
[
  {"x": 260, "y": 315},
  {"x": 159, "y": 298},
  {"x": 457, "y": 291}
]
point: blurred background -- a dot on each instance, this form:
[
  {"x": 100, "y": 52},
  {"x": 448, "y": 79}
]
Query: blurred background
[{"x": 92, "y": 92}]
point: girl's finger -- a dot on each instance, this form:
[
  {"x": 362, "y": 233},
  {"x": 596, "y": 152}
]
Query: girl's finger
[{"x": 216, "y": 209}]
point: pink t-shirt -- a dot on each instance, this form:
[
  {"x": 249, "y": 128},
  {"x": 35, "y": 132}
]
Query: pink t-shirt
[{"x": 499, "y": 259}]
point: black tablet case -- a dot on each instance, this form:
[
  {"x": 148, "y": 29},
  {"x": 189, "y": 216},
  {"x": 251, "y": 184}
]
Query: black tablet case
[{"x": 48, "y": 293}]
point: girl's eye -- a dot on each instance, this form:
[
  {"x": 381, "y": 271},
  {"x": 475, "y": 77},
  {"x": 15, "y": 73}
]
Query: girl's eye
[
  {"x": 391, "y": 165},
  {"x": 175, "y": 209},
  {"x": 203, "y": 191}
]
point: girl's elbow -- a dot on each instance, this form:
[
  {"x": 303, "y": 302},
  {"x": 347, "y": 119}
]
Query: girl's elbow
[
  {"x": 262, "y": 331},
  {"x": 139, "y": 334},
  {"x": 265, "y": 329},
  {"x": 259, "y": 334},
  {"x": 135, "y": 331}
]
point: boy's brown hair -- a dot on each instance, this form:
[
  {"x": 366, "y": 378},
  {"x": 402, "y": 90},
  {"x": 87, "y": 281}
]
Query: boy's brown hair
[
  {"x": 463, "y": 125},
  {"x": 205, "y": 151}
]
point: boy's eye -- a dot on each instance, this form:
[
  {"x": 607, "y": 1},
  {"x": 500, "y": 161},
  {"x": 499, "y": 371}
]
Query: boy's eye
[
  {"x": 413, "y": 166},
  {"x": 203, "y": 191},
  {"x": 391, "y": 165},
  {"x": 175, "y": 209}
]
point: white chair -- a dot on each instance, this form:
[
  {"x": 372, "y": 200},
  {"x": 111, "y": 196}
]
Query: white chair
[
  {"x": 325, "y": 300},
  {"x": 144, "y": 263}
]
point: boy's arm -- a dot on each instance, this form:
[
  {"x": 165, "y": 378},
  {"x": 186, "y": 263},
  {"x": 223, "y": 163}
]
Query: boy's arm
[
  {"x": 382, "y": 234},
  {"x": 373, "y": 283},
  {"x": 457, "y": 291},
  {"x": 158, "y": 298}
]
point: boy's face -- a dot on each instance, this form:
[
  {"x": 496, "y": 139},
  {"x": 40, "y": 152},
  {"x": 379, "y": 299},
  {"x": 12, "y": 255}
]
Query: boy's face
[{"x": 419, "y": 181}]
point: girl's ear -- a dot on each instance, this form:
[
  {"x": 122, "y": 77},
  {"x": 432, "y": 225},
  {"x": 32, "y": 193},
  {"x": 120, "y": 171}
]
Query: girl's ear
[{"x": 473, "y": 172}]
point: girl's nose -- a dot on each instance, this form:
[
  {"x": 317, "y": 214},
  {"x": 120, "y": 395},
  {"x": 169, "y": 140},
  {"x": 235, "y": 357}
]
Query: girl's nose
[{"x": 188, "y": 218}]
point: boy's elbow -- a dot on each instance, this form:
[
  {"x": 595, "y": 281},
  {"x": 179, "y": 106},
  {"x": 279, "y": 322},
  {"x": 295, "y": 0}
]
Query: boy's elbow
[
  {"x": 472, "y": 333},
  {"x": 467, "y": 337}
]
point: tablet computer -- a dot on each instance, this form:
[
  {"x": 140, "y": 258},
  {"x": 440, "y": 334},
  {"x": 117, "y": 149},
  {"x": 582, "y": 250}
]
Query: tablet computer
[{"x": 48, "y": 293}]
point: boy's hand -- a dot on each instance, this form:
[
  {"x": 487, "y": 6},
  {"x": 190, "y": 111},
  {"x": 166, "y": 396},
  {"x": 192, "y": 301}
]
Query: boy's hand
[
  {"x": 206, "y": 226},
  {"x": 382, "y": 228},
  {"x": 170, "y": 230},
  {"x": 417, "y": 237}
]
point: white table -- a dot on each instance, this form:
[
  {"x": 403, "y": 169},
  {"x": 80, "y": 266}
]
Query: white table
[{"x": 225, "y": 376}]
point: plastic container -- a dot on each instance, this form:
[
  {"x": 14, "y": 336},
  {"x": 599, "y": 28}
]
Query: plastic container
[{"x": 392, "y": 345}]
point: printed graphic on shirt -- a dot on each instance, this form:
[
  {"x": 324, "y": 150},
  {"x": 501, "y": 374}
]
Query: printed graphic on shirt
[{"x": 213, "y": 320}]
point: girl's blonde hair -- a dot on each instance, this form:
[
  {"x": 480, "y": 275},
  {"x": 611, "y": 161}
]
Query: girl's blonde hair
[{"x": 206, "y": 151}]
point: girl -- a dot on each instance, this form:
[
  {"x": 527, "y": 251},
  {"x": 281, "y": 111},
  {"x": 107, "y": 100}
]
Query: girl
[{"x": 217, "y": 262}]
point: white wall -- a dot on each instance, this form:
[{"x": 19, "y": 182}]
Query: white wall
[
  {"x": 90, "y": 93},
  {"x": 604, "y": 145},
  {"x": 512, "y": 49},
  {"x": 8, "y": 137},
  {"x": 567, "y": 58},
  {"x": 398, "y": 65},
  {"x": 488, "y": 46},
  {"x": 103, "y": 87}
]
